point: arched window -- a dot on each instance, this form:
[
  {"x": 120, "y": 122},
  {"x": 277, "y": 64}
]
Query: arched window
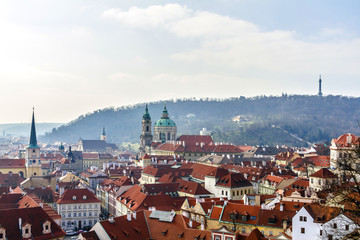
[
  {"x": 168, "y": 136},
  {"x": 147, "y": 128}
]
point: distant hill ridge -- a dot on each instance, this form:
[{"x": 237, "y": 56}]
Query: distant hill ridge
[{"x": 262, "y": 120}]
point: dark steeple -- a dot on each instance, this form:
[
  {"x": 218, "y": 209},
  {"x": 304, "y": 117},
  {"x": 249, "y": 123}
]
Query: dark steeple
[
  {"x": 33, "y": 140},
  {"x": 103, "y": 133},
  {"x": 165, "y": 114},
  {"x": 320, "y": 92},
  {"x": 146, "y": 115}
]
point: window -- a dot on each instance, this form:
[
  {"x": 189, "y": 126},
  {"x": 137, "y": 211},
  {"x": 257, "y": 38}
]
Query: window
[
  {"x": 303, "y": 219},
  {"x": 74, "y": 214},
  {"x": 346, "y": 227},
  {"x": 90, "y": 214},
  {"x": 243, "y": 230},
  {"x": 69, "y": 214},
  {"x": 79, "y": 214},
  {"x": 26, "y": 230},
  {"x": 217, "y": 237},
  {"x": 335, "y": 226},
  {"x": 84, "y": 214},
  {"x": 90, "y": 222},
  {"x": 320, "y": 232},
  {"x": 302, "y": 230},
  {"x": 330, "y": 237}
]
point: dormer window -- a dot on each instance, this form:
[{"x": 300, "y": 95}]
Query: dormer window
[
  {"x": 26, "y": 230},
  {"x": 2, "y": 233},
  {"x": 46, "y": 227},
  {"x": 84, "y": 197},
  {"x": 74, "y": 197}
]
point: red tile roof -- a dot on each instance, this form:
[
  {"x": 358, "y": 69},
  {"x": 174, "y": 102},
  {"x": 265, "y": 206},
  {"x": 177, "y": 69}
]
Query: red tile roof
[
  {"x": 12, "y": 163},
  {"x": 318, "y": 161},
  {"x": 249, "y": 212},
  {"x": 160, "y": 188},
  {"x": 81, "y": 196},
  {"x": 12, "y": 180},
  {"x": 9, "y": 219},
  {"x": 193, "y": 139},
  {"x": 233, "y": 180},
  {"x": 137, "y": 200},
  {"x": 322, "y": 213},
  {"x": 289, "y": 206},
  {"x": 346, "y": 140},
  {"x": 323, "y": 173},
  {"x": 160, "y": 170},
  {"x": 191, "y": 187},
  {"x": 215, "y": 212}
]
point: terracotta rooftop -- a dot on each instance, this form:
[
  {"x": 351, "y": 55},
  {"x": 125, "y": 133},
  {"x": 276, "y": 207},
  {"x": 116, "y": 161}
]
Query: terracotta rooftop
[
  {"x": 12, "y": 163},
  {"x": 9, "y": 219},
  {"x": 233, "y": 180},
  {"x": 71, "y": 196},
  {"x": 323, "y": 173}
]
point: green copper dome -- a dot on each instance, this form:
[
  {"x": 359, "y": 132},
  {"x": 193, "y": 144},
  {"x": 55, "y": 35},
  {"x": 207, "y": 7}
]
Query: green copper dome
[{"x": 165, "y": 123}]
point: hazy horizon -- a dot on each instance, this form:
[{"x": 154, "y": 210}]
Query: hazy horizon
[{"x": 69, "y": 58}]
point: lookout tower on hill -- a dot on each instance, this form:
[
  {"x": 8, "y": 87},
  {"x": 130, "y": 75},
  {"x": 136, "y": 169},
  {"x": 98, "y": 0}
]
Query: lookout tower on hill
[{"x": 320, "y": 92}]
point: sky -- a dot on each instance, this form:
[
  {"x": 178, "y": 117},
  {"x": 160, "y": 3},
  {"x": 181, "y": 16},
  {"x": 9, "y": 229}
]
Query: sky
[{"x": 67, "y": 58}]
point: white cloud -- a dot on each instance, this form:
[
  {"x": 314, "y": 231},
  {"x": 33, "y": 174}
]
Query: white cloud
[
  {"x": 153, "y": 16},
  {"x": 237, "y": 44}
]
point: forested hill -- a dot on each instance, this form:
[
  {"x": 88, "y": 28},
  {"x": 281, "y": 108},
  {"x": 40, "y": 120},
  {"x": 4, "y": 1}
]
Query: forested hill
[{"x": 254, "y": 121}]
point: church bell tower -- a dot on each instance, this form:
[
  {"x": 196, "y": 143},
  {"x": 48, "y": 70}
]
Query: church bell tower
[
  {"x": 146, "y": 136},
  {"x": 32, "y": 158},
  {"x": 103, "y": 134}
]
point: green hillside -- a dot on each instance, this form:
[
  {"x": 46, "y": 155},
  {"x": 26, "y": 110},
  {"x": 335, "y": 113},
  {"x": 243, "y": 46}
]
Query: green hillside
[{"x": 262, "y": 120}]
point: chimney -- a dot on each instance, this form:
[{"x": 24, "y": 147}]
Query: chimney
[
  {"x": 190, "y": 223},
  {"x": 41, "y": 205},
  {"x": 285, "y": 223},
  {"x": 111, "y": 219},
  {"x": 20, "y": 223},
  {"x": 202, "y": 224},
  {"x": 225, "y": 202},
  {"x": 129, "y": 216},
  {"x": 281, "y": 207},
  {"x": 134, "y": 215},
  {"x": 257, "y": 200}
]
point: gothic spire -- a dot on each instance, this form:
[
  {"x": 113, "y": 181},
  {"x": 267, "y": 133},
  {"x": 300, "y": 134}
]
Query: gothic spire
[
  {"x": 103, "y": 132},
  {"x": 33, "y": 140}
]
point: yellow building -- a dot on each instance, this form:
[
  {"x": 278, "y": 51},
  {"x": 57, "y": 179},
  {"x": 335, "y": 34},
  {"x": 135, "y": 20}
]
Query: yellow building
[
  {"x": 245, "y": 218},
  {"x": 13, "y": 166}
]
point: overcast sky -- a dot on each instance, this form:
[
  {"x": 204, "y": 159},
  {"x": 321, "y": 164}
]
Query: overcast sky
[{"x": 68, "y": 58}]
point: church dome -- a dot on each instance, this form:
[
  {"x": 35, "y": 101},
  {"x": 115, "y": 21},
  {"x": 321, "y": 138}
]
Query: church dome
[{"x": 165, "y": 122}]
